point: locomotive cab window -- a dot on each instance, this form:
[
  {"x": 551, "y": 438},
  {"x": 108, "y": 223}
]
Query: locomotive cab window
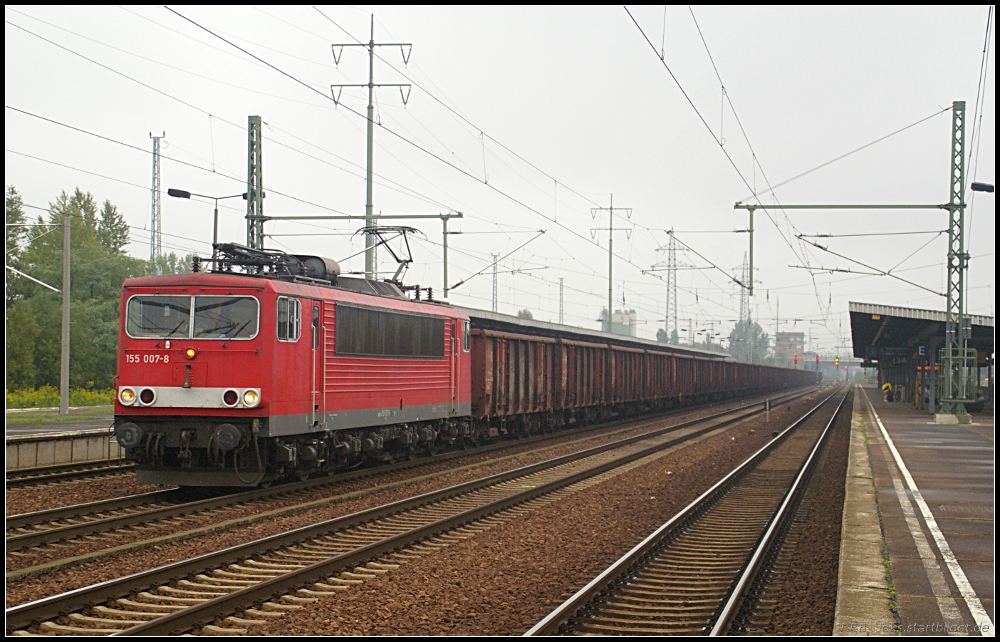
[
  {"x": 225, "y": 317},
  {"x": 289, "y": 319},
  {"x": 156, "y": 316},
  {"x": 466, "y": 337}
]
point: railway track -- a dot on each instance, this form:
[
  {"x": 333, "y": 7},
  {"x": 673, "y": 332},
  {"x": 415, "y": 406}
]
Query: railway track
[
  {"x": 329, "y": 556},
  {"x": 65, "y": 473},
  {"x": 697, "y": 573},
  {"x": 42, "y": 528}
]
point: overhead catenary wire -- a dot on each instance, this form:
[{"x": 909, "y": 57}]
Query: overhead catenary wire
[
  {"x": 746, "y": 138},
  {"x": 200, "y": 110},
  {"x": 221, "y": 119},
  {"x": 206, "y": 112},
  {"x": 401, "y": 138},
  {"x": 460, "y": 116}
]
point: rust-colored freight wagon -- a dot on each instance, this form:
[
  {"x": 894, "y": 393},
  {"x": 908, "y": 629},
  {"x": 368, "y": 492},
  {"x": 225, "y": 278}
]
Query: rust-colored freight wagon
[{"x": 534, "y": 373}]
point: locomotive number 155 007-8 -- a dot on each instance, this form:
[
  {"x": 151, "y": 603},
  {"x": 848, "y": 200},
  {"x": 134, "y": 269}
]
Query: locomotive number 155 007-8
[{"x": 147, "y": 358}]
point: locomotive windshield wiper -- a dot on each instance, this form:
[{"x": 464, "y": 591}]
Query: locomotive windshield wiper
[
  {"x": 237, "y": 333},
  {"x": 171, "y": 333}
]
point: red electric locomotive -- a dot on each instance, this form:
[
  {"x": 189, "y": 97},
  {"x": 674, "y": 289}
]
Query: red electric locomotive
[
  {"x": 229, "y": 379},
  {"x": 289, "y": 369}
]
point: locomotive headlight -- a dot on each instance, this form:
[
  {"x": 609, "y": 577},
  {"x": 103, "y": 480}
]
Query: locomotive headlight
[
  {"x": 251, "y": 398},
  {"x": 190, "y": 352},
  {"x": 126, "y": 396}
]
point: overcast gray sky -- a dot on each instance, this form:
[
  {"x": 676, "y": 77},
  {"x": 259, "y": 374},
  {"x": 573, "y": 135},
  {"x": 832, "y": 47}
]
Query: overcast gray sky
[{"x": 525, "y": 119}]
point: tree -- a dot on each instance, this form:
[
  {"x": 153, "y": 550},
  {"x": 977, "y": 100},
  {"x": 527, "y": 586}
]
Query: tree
[
  {"x": 15, "y": 234},
  {"x": 748, "y": 342},
  {"x": 112, "y": 230},
  {"x": 661, "y": 335},
  {"x": 525, "y": 314},
  {"x": 98, "y": 267},
  {"x": 170, "y": 264}
]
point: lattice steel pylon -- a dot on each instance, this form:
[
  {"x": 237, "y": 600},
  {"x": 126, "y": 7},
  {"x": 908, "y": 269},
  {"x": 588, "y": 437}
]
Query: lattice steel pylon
[
  {"x": 255, "y": 184},
  {"x": 955, "y": 356},
  {"x": 155, "y": 223},
  {"x": 338, "y": 50},
  {"x": 496, "y": 257},
  {"x": 670, "y": 310},
  {"x": 672, "y": 286}
]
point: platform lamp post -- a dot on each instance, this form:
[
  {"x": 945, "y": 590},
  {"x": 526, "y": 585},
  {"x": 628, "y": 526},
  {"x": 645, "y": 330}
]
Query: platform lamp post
[{"x": 179, "y": 193}]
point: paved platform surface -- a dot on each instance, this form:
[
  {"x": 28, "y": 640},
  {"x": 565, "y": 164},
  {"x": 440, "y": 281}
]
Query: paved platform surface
[
  {"x": 864, "y": 601},
  {"x": 34, "y": 421},
  {"x": 935, "y": 489}
]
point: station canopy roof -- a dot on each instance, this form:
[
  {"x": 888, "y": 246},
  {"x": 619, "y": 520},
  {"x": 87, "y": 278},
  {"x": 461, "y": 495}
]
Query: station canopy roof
[{"x": 884, "y": 329}]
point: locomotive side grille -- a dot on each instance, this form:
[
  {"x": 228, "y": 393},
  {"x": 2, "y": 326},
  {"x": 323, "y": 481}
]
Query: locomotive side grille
[{"x": 366, "y": 332}]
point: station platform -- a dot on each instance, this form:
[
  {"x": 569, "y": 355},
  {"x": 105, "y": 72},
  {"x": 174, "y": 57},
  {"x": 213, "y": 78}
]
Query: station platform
[
  {"x": 917, "y": 545},
  {"x": 40, "y": 421}
]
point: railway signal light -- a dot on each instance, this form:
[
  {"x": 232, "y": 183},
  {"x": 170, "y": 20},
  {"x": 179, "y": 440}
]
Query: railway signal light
[{"x": 836, "y": 361}]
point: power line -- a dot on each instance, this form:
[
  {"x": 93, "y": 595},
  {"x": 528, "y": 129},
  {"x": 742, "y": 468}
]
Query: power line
[
  {"x": 203, "y": 111},
  {"x": 290, "y": 147},
  {"x": 131, "y": 229},
  {"x": 183, "y": 102},
  {"x": 401, "y": 188},
  {"x": 176, "y": 160},
  {"x": 462, "y": 117},
  {"x": 850, "y": 153},
  {"x": 398, "y": 136}
]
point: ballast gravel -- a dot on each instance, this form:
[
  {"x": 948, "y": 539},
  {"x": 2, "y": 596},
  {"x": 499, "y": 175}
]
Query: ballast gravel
[
  {"x": 502, "y": 581},
  {"x": 516, "y": 455},
  {"x": 81, "y": 491},
  {"x": 31, "y": 588}
]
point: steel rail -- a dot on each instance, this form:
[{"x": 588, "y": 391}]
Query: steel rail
[
  {"x": 771, "y": 537},
  {"x": 550, "y": 624},
  {"x": 23, "y": 615},
  {"x": 20, "y": 541},
  {"x": 199, "y": 614},
  {"x": 47, "y": 474},
  {"x": 25, "y": 520}
]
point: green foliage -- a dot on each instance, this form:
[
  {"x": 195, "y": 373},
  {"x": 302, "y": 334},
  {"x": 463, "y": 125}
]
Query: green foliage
[
  {"x": 48, "y": 397},
  {"x": 15, "y": 234},
  {"x": 748, "y": 342},
  {"x": 98, "y": 266},
  {"x": 170, "y": 264},
  {"x": 112, "y": 231},
  {"x": 662, "y": 337},
  {"x": 525, "y": 314}
]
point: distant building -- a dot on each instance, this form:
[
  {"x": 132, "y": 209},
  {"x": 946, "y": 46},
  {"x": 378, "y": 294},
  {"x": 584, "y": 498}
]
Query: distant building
[
  {"x": 788, "y": 345},
  {"x": 623, "y": 322}
]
